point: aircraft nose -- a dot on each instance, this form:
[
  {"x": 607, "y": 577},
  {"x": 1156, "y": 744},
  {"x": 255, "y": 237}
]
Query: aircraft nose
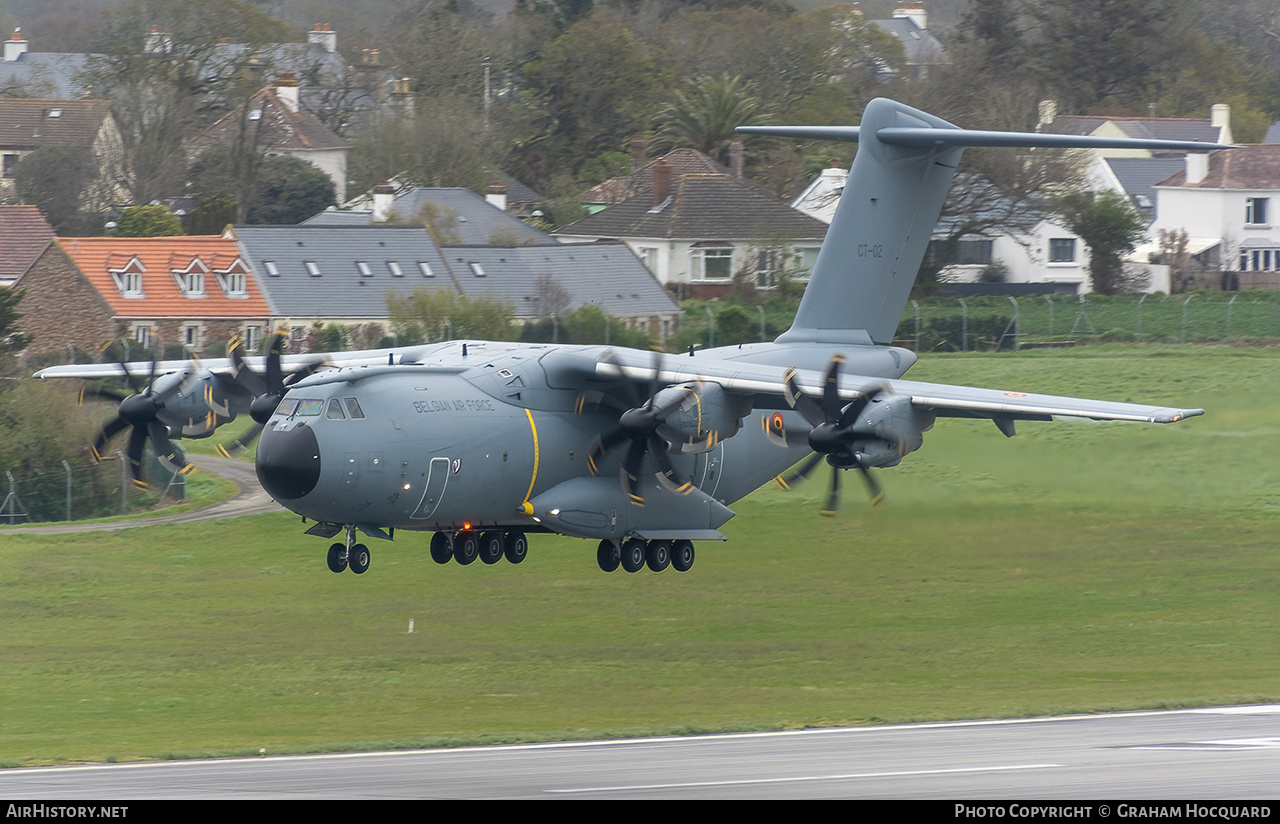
[{"x": 288, "y": 462}]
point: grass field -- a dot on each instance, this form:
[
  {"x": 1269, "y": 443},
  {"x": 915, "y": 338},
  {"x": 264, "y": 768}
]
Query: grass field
[{"x": 1076, "y": 567}]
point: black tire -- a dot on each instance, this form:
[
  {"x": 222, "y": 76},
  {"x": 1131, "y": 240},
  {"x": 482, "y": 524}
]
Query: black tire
[
  {"x": 358, "y": 560},
  {"x": 442, "y": 547},
  {"x": 658, "y": 555},
  {"x": 633, "y": 552},
  {"x": 682, "y": 555},
  {"x": 491, "y": 547},
  {"x": 515, "y": 547},
  {"x": 337, "y": 557},
  {"x": 608, "y": 556},
  {"x": 466, "y": 547}
]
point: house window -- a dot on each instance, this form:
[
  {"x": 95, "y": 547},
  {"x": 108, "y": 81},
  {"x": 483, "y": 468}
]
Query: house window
[
  {"x": 191, "y": 336},
  {"x": 712, "y": 263},
  {"x": 364, "y": 270},
  {"x": 476, "y": 269},
  {"x": 10, "y": 164},
  {"x": 649, "y": 257},
  {"x": 233, "y": 282},
  {"x": 1260, "y": 260},
  {"x": 425, "y": 268},
  {"x": 973, "y": 252},
  {"x": 272, "y": 270},
  {"x": 768, "y": 263},
  {"x": 1062, "y": 250},
  {"x": 252, "y": 338},
  {"x": 394, "y": 268},
  {"x": 1255, "y": 211},
  {"x": 313, "y": 268},
  {"x": 129, "y": 279},
  {"x": 806, "y": 257},
  {"x": 191, "y": 279},
  {"x": 142, "y": 334}
]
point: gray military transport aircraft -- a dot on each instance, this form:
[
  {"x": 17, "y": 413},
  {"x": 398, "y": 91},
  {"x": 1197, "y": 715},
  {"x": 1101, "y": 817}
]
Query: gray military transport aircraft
[{"x": 483, "y": 443}]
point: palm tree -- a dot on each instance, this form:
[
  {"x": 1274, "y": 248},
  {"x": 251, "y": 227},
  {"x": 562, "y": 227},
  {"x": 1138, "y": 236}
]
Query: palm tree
[{"x": 705, "y": 113}]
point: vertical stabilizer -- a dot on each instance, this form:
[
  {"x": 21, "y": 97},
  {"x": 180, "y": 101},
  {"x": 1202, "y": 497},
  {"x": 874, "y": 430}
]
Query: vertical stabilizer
[
  {"x": 879, "y": 234},
  {"x": 888, "y": 210}
]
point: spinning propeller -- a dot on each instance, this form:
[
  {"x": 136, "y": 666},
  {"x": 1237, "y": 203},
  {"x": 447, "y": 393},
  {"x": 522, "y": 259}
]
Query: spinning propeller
[
  {"x": 833, "y": 435},
  {"x": 141, "y": 411},
  {"x": 267, "y": 389},
  {"x": 644, "y": 426}
]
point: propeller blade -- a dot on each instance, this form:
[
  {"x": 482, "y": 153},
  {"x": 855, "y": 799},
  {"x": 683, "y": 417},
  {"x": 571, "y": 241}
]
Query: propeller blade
[
  {"x": 833, "y": 496},
  {"x": 241, "y": 443},
  {"x": 115, "y": 427},
  {"x": 873, "y": 486},
  {"x": 801, "y": 473},
  {"x": 668, "y": 475}
]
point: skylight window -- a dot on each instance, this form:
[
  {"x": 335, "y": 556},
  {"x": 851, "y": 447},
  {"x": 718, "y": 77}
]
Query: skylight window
[{"x": 313, "y": 268}]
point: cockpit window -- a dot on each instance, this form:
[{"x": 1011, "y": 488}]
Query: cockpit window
[
  {"x": 334, "y": 410},
  {"x": 287, "y": 407},
  {"x": 310, "y": 407},
  {"x": 353, "y": 408}
]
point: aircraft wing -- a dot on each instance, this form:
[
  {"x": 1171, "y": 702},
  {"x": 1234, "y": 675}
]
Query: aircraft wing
[
  {"x": 288, "y": 364},
  {"x": 946, "y": 400}
]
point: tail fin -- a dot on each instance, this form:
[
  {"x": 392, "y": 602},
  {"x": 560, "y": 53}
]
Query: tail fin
[{"x": 886, "y": 215}]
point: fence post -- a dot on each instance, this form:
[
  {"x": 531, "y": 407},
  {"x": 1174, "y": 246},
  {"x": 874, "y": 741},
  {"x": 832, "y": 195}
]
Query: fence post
[
  {"x": 1017, "y": 314},
  {"x": 1049, "y": 298},
  {"x": 1140, "y": 300},
  {"x": 763, "y": 333},
  {"x": 1183, "y": 338},
  {"x": 915, "y": 304},
  {"x": 67, "y": 467},
  {"x": 964, "y": 325},
  {"x": 711, "y": 329},
  {"x": 1233, "y": 300},
  {"x": 124, "y": 483}
]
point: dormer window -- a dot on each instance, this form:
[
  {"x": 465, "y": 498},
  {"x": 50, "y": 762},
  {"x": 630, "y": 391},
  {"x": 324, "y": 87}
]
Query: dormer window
[
  {"x": 234, "y": 279},
  {"x": 191, "y": 279},
  {"x": 129, "y": 278}
]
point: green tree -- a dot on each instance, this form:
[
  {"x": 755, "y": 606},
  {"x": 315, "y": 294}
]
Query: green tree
[
  {"x": 148, "y": 221},
  {"x": 1111, "y": 227},
  {"x": 12, "y": 340},
  {"x": 431, "y": 315},
  {"x": 283, "y": 190},
  {"x": 53, "y": 178}
]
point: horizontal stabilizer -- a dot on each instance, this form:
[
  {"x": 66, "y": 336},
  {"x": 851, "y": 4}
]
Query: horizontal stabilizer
[{"x": 965, "y": 138}]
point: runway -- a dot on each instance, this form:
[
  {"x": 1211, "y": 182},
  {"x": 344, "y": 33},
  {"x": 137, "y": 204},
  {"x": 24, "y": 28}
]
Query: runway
[{"x": 1226, "y": 753}]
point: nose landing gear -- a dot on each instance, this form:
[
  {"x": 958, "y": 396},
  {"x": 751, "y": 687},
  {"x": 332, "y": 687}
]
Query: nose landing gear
[{"x": 350, "y": 555}]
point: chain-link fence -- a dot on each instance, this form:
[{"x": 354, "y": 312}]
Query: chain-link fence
[
  {"x": 988, "y": 323},
  {"x": 76, "y": 492}
]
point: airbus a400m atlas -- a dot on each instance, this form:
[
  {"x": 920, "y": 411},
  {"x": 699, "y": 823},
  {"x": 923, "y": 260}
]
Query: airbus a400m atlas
[{"x": 484, "y": 443}]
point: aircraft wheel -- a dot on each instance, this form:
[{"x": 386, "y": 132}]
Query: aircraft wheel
[
  {"x": 658, "y": 555},
  {"x": 515, "y": 547},
  {"x": 633, "y": 555},
  {"x": 441, "y": 547},
  {"x": 359, "y": 559},
  {"x": 682, "y": 555},
  {"x": 466, "y": 547},
  {"x": 608, "y": 556},
  {"x": 337, "y": 557},
  {"x": 491, "y": 547}
]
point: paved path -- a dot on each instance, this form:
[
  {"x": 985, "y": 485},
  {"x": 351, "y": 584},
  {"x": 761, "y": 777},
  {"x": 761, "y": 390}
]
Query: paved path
[{"x": 249, "y": 499}]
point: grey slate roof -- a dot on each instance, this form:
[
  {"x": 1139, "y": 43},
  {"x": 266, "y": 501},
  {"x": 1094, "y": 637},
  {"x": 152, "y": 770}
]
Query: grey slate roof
[
  {"x": 339, "y": 289},
  {"x": 607, "y": 275},
  {"x": 702, "y": 206},
  {"x": 477, "y": 219},
  {"x": 1160, "y": 128},
  {"x": 919, "y": 46},
  {"x": 44, "y": 74},
  {"x": 1139, "y": 176}
]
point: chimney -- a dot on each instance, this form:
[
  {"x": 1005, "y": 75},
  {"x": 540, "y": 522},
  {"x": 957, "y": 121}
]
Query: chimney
[
  {"x": 402, "y": 98},
  {"x": 287, "y": 90},
  {"x": 325, "y": 37},
  {"x": 1220, "y": 116},
  {"x": 496, "y": 195},
  {"x": 14, "y": 47},
  {"x": 661, "y": 182},
  {"x": 1047, "y": 114},
  {"x": 637, "y": 154},
  {"x": 736, "y": 158},
  {"x": 158, "y": 42},
  {"x": 1197, "y": 167},
  {"x": 383, "y": 195},
  {"x": 914, "y": 12}
]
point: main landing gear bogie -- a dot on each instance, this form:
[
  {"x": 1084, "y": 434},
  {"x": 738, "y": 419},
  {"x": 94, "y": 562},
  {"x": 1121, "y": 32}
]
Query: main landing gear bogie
[
  {"x": 634, "y": 555},
  {"x": 465, "y": 546}
]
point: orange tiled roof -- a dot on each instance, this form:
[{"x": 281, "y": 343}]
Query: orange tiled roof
[{"x": 161, "y": 261}]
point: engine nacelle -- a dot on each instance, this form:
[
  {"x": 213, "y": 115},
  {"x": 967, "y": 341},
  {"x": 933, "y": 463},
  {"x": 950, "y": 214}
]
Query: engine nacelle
[
  {"x": 889, "y": 427},
  {"x": 705, "y": 415}
]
